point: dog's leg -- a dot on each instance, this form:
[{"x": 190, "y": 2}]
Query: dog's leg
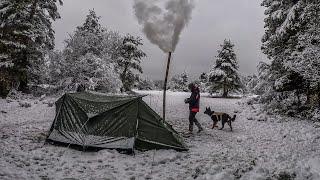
[
  {"x": 223, "y": 122},
  {"x": 229, "y": 123},
  {"x": 214, "y": 124}
]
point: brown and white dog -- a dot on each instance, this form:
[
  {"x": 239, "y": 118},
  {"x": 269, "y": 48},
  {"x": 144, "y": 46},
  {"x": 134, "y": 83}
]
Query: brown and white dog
[{"x": 219, "y": 116}]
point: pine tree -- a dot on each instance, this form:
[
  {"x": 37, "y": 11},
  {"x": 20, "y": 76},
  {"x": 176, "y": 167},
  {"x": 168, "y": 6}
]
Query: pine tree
[
  {"x": 25, "y": 35},
  {"x": 224, "y": 75},
  {"x": 292, "y": 41},
  {"x": 88, "y": 56},
  {"x": 129, "y": 64},
  {"x": 91, "y": 24},
  {"x": 88, "y": 38},
  {"x": 279, "y": 39}
]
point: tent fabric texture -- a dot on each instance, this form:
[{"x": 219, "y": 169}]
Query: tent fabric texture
[{"x": 112, "y": 122}]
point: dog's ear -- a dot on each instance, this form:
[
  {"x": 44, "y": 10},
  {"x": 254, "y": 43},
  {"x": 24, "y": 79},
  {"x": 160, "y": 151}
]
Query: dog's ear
[
  {"x": 206, "y": 108},
  {"x": 209, "y": 108}
]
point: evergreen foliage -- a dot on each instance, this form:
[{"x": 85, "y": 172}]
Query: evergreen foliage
[
  {"x": 145, "y": 84},
  {"x": 25, "y": 35},
  {"x": 179, "y": 82},
  {"x": 292, "y": 42},
  {"x": 129, "y": 62},
  {"x": 224, "y": 74},
  {"x": 87, "y": 57}
]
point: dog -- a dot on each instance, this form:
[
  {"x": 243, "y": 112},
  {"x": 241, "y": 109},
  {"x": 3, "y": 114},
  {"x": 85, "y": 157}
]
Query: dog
[{"x": 219, "y": 116}]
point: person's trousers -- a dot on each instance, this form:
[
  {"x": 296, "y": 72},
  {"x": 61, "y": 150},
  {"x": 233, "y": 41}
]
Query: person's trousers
[{"x": 193, "y": 120}]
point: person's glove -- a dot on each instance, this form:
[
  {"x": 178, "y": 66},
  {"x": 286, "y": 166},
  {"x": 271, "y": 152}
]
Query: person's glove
[{"x": 187, "y": 100}]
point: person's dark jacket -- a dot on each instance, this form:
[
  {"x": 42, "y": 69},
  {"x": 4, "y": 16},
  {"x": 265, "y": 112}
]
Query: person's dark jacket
[{"x": 194, "y": 100}]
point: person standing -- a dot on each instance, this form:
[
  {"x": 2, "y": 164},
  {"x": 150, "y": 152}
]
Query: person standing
[{"x": 193, "y": 102}]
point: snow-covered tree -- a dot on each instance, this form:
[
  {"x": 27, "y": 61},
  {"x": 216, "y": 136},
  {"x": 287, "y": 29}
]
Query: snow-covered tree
[
  {"x": 179, "y": 82},
  {"x": 88, "y": 56},
  {"x": 159, "y": 84},
  {"x": 25, "y": 35},
  {"x": 224, "y": 74},
  {"x": 97, "y": 74},
  {"x": 57, "y": 66},
  {"x": 88, "y": 38},
  {"x": 203, "y": 78},
  {"x": 203, "y": 82},
  {"x": 145, "y": 84},
  {"x": 263, "y": 84},
  {"x": 129, "y": 63},
  {"x": 249, "y": 82},
  {"x": 292, "y": 41}
]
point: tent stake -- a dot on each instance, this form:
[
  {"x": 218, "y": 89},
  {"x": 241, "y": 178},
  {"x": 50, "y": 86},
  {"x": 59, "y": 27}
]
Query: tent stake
[{"x": 165, "y": 87}]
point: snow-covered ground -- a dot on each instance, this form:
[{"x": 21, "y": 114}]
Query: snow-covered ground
[{"x": 260, "y": 147}]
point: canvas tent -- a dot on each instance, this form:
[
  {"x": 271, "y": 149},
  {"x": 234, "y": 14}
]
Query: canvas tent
[{"x": 115, "y": 122}]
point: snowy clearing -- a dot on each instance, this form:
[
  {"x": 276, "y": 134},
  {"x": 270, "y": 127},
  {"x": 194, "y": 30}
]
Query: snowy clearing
[{"x": 260, "y": 148}]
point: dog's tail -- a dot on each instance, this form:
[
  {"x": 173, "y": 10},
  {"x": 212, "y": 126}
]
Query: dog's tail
[{"x": 234, "y": 118}]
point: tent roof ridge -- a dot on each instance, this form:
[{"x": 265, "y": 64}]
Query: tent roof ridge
[{"x": 124, "y": 97}]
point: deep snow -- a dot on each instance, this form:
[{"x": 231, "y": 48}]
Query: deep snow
[{"x": 260, "y": 147}]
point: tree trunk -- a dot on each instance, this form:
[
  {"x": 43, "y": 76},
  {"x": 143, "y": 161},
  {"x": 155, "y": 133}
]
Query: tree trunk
[
  {"x": 298, "y": 98},
  {"x": 5, "y": 82},
  {"x": 225, "y": 94},
  {"x": 165, "y": 88},
  {"x": 225, "y": 91},
  {"x": 123, "y": 78},
  {"x": 308, "y": 93},
  {"x": 23, "y": 81},
  {"x": 319, "y": 94}
]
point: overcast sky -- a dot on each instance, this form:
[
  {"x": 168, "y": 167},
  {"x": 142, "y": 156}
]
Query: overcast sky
[{"x": 212, "y": 22}]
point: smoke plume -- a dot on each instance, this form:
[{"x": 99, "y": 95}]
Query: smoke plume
[{"x": 163, "y": 23}]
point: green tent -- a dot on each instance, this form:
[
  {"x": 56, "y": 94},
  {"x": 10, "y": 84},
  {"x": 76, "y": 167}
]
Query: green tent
[{"x": 114, "y": 122}]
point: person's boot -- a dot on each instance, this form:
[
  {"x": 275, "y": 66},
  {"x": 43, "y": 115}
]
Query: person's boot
[
  {"x": 199, "y": 127},
  {"x": 190, "y": 128}
]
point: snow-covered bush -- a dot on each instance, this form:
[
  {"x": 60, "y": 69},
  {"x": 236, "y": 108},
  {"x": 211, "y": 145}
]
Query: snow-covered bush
[
  {"x": 25, "y": 104},
  {"x": 145, "y": 84}
]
